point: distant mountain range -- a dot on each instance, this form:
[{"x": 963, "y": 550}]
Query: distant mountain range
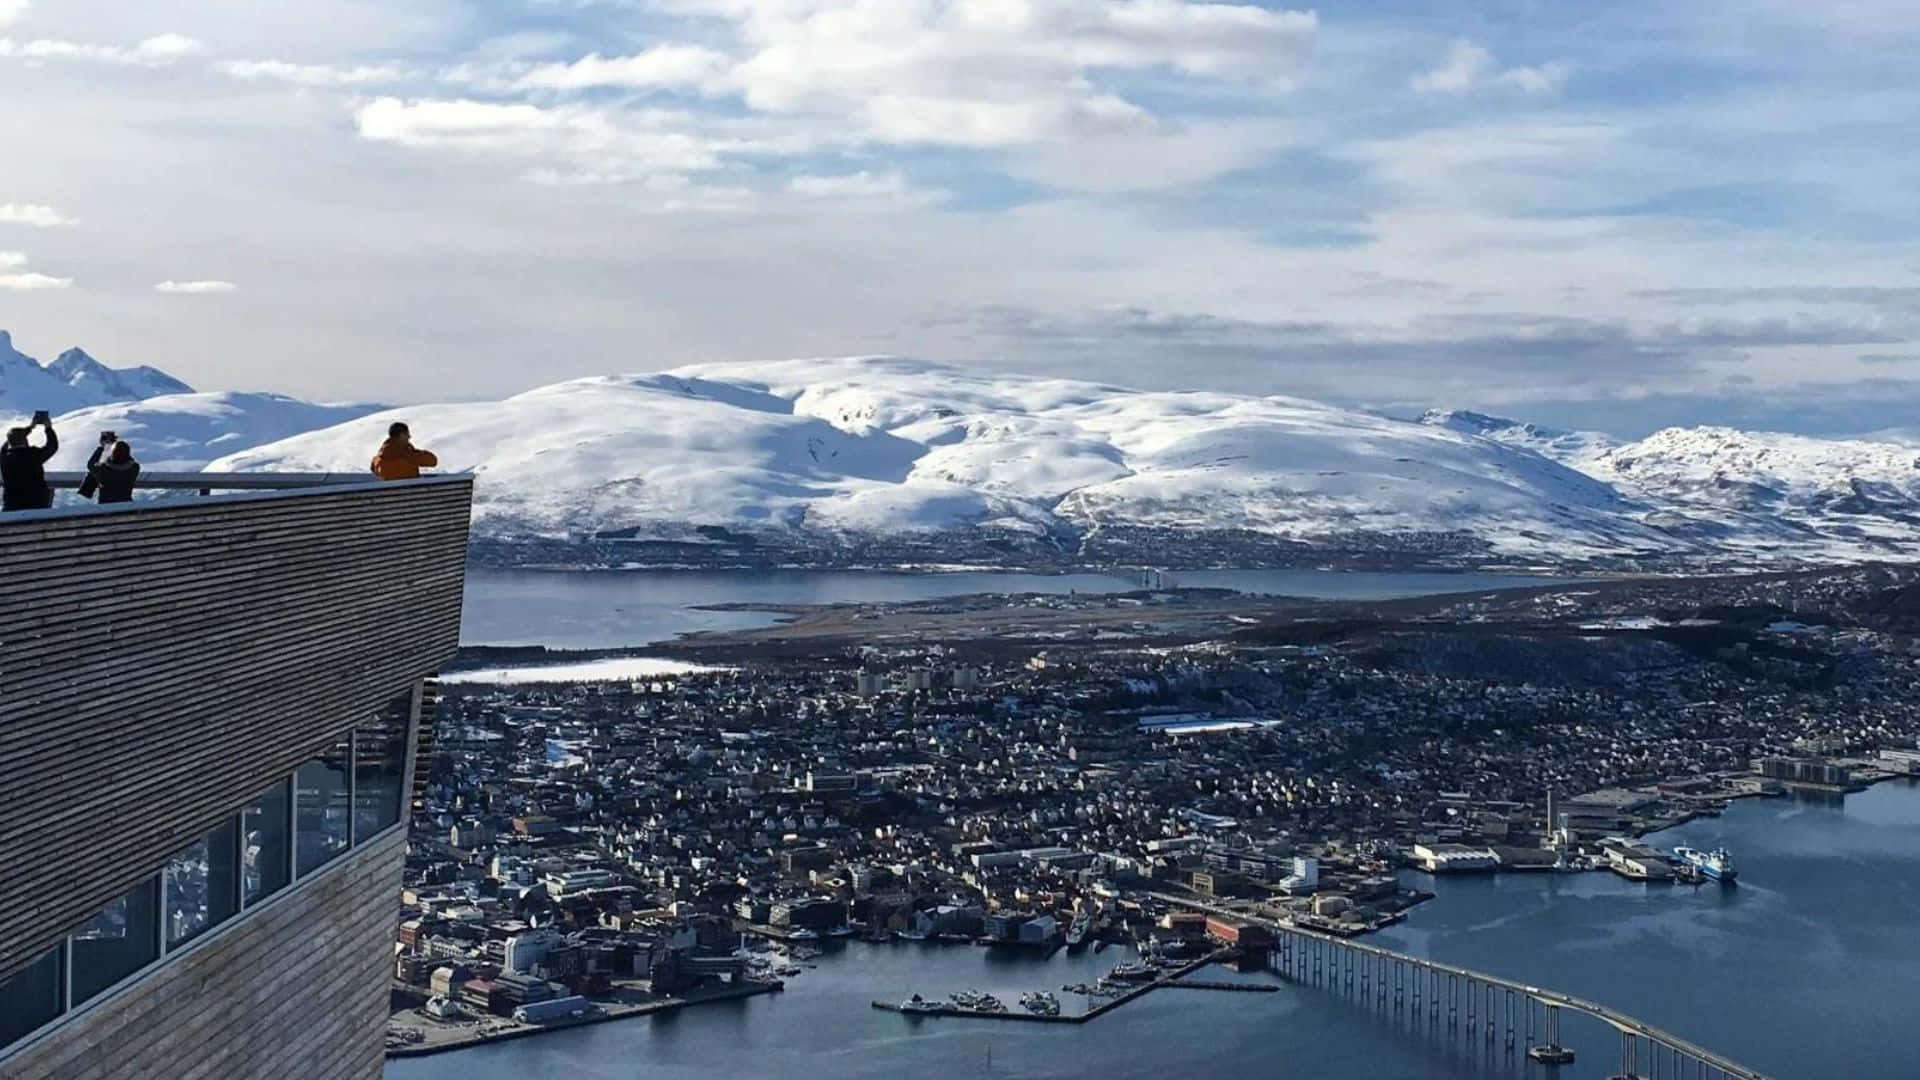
[
  {"x": 875, "y": 460},
  {"x": 73, "y": 380}
]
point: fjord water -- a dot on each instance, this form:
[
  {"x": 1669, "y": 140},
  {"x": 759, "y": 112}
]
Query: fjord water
[
  {"x": 1805, "y": 969},
  {"x": 599, "y": 609}
]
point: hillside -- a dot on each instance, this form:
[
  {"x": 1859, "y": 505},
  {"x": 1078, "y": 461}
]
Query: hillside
[
  {"x": 806, "y": 452},
  {"x": 183, "y": 432}
]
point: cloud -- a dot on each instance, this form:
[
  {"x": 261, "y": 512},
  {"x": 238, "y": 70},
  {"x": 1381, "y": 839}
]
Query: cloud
[
  {"x": 969, "y": 73},
  {"x": 15, "y": 275},
  {"x": 313, "y": 75},
  {"x": 11, "y": 10},
  {"x": 663, "y": 66},
  {"x": 35, "y": 215},
  {"x": 889, "y": 187},
  {"x": 159, "y": 51},
  {"x": 1468, "y": 67},
  {"x": 195, "y": 287},
  {"x": 557, "y": 144}
]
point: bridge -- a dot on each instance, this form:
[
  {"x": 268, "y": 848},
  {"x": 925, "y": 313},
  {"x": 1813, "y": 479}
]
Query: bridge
[{"x": 1474, "y": 1004}]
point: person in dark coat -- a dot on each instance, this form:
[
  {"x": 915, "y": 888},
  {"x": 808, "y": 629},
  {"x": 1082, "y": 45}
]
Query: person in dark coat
[
  {"x": 23, "y": 467},
  {"x": 115, "y": 476}
]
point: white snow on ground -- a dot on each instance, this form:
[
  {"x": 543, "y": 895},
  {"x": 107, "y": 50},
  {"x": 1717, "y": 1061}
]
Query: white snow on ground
[
  {"x": 878, "y": 445},
  {"x": 183, "y": 432},
  {"x": 617, "y": 669}
]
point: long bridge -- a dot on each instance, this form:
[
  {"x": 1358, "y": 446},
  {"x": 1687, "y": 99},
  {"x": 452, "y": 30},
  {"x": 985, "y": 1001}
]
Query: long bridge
[{"x": 1474, "y": 1003}]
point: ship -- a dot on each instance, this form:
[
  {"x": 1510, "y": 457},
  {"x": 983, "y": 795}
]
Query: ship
[
  {"x": 1716, "y": 864},
  {"x": 918, "y": 1004},
  {"x": 1077, "y": 932}
]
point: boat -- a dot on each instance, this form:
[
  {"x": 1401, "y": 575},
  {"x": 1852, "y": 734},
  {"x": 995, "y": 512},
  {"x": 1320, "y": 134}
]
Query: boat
[
  {"x": 1716, "y": 864},
  {"x": 918, "y": 1004},
  {"x": 803, "y": 935},
  {"x": 841, "y": 931},
  {"x": 1077, "y": 932},
  {"x": 1131, "y": 973},
  {"x": 912, "y": 935},
  {"x": 1040, "y": 1003},
  {"x": 1100, "y": 944}
]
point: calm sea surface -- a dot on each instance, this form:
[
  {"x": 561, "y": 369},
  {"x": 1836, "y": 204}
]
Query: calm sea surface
[
  {"x": 615, "y": 608},
  {"x": 1807, "y": 968}
]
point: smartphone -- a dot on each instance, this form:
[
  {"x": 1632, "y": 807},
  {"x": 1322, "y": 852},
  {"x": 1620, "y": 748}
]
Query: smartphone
[
  {"x": 108, "y": 438},
  {"x": 40, "y": 417}
]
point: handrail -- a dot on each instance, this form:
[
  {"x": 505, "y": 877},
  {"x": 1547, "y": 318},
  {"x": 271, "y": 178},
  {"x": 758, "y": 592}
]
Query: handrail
[
  {"x": 222, "y": 481},
  {"x": 240, "y": 487}
]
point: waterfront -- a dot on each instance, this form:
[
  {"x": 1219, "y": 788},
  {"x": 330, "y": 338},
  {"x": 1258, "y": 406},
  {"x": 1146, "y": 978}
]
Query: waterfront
[
  {"x": 1802, "y": 970},
  {"x": 596, "y": 609}
]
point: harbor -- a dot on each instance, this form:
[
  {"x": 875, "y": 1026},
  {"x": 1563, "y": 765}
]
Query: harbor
[{"x": 1138, "y": 980}]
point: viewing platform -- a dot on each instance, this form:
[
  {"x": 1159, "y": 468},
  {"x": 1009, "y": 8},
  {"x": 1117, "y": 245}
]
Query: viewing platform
[{"x": 209, "y": 710}]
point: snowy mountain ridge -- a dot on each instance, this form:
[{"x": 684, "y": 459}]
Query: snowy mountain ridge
[
  {"x": 802, "y": 454},
  {"x": 73, "y": 380}
]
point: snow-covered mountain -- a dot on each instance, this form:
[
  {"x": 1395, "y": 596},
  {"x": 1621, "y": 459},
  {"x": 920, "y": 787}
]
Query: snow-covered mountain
[
  {"x": 827, "y": 448},
  {"x": 1763, "y": 493},
  {"x": 183, "y": 432},
  {"x": 72, "y": 381},
  {"x": 1574, "y": 448}
]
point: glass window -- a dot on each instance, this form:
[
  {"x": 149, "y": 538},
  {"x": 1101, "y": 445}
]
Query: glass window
[
  {"x": 31, "y": 998},
  {"x": 264, "y": 858},
  {"x": 201, "y": 887},
  {"x": 379, "y": 769},
  {"x": 320, "y": 823},
  {"x": 119, "y": 941}
]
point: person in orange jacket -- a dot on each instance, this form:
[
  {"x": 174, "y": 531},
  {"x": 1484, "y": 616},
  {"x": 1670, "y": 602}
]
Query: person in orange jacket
[{"x": 398, "y": 459}]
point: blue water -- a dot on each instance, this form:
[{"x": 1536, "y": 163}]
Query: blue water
[
  {"x": 1807, "y": 968},
  {"x": 617, "y": 608}
]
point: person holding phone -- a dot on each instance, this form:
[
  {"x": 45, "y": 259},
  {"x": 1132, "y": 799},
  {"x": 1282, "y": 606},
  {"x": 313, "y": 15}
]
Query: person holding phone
[
  {"x": 92, "y": 483},
  {"x": 23, "y": 466}
]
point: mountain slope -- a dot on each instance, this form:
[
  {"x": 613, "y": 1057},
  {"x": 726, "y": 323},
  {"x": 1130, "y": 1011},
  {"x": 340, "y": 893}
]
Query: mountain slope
[
  {"x": 183, "y": 432},
  {"x": 801, "y": 451}
]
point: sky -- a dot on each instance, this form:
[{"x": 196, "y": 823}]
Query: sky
[{"x": 1618, "y": 216}]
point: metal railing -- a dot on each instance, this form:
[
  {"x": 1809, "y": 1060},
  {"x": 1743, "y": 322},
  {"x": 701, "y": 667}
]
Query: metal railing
[{"x": 227, "y": 485}]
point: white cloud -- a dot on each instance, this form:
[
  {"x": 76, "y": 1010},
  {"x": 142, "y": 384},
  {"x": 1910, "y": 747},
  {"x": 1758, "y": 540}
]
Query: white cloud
[
  {"x": 1468, "y": 66},
  {"x": 34, "y": 215},
  {"x": 312, "y": 74},
  {"x": 561, "y": 144},
  {"x": 891, "y": 188},
  {"x": 158, "y": 51},
  {"x": 972, "y": 73},
  {"x": 665, "y": 66},
  {"x": 15, "y": 275},
  {"x": 11, "y": 10},
  {"x": 195, "y": 287}
]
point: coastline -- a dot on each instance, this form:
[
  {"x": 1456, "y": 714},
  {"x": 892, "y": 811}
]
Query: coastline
[{"x": 490, "y": 1030}]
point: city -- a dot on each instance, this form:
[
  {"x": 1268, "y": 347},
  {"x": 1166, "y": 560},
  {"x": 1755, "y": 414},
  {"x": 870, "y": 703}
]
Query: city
[{"x": 611, "y": 844}]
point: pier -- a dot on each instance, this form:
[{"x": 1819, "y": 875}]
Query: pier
[
  {"x": 1473, "y": 1005},
  {"x": 1171, "y": 978}
]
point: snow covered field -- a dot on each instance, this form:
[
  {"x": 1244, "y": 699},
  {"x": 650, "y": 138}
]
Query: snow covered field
[{"x": 617, "y": 669}]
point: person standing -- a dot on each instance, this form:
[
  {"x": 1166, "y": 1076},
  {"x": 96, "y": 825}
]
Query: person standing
[
  {"x": 114, "y": 477},
  {"x": 398, "y": 459},
  {"x": 23, "y": 466}
]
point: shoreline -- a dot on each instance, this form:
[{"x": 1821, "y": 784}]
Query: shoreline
[{"x": 608, "y": 1012}]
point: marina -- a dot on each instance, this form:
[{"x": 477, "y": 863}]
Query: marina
[{"x": 1142, "y": 979}]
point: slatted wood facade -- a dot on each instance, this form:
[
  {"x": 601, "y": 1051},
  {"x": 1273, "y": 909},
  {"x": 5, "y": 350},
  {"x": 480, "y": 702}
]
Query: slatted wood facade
[
  {"x": 296, "y": 989},
  {"x": 159, "y": 666}
]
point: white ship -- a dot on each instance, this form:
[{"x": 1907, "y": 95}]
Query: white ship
[{"x": 1716, "y": 864}]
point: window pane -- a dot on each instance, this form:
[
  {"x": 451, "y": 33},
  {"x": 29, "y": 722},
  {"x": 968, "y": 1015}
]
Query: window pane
[
  {"x": 119, "y": 941},
  {"x": 264, "y": 859},
  {"x": 200, "y": 885},
  {"x": 379, "y": 767},
  {"x": 30, "y": 999},
  {"x": 320, "y": 822}
]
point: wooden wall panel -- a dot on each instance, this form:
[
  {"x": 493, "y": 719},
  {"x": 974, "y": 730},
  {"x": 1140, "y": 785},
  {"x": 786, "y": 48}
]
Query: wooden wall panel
[
  {"x": 296, "y": 988},
  {"x": 159, "y": 666}
]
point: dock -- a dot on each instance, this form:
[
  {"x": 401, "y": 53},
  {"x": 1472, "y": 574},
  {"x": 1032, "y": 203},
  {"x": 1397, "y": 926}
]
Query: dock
[{"x": 1175, "y": 977}]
